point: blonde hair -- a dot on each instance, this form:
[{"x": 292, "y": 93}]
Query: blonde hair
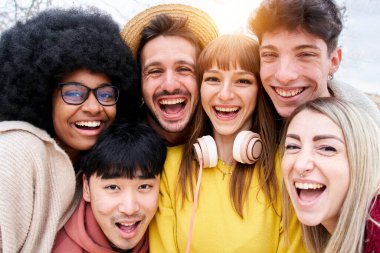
[
  {"x": 231, "y": 51},
  {"x": 361, "y": 135}
]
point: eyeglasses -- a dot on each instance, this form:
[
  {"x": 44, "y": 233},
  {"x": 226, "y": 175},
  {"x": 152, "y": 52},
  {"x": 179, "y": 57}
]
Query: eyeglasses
[{"x": 75, "y": 93}]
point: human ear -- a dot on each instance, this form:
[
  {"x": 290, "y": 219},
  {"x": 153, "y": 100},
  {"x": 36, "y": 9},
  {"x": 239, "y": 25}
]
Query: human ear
[
  {"x": 86, "y": 189},
  {"x": 335, "y": 60}
]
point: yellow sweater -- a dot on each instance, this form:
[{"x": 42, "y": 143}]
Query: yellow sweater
[{"x": 217, "y": 227}]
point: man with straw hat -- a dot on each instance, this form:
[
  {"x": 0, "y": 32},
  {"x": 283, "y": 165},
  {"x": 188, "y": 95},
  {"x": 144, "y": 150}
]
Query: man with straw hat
[{"x": 166, "y": 40}]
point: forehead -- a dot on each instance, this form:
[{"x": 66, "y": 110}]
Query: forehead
[
  {"x": 313, "y": 123},
  {"x": 86, "y": 77},
  {"x": 123, "y": 178},
  {"x": 291, "y": 39},
  {"x": 168, "y": 48}
]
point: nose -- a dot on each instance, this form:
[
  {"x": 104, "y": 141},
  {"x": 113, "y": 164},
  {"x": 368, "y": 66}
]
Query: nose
[
  {"x": 226, "y": 92},
  {"x": 91, "y": 105},
  {"x": 286, "y": 71},
  {"x": 129, "y": 205},
  {"x": 304, "y": 163},
  {"x": 170, "y": 82}
]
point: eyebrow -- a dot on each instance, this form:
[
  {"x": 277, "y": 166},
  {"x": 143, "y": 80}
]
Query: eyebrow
[
  {"x": 317, "y": 137},
  {"x": 211, "y": 71},
  {"x": 307, "y": 46},
  {"x": 304, "y": 46},
  {"x": 268, "y": 47},
  {"x": 158, "y": 63},
  {"x": 239, "y": 72}
]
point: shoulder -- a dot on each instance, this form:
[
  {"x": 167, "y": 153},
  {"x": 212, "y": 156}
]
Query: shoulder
[
  {"x": 174, "y": 154},
  {"x": 17, "y": 137},
  {"x": 23, "y": 130},
  {"x": 372, "y": 241},
  {"x": 23, "y": 145},
  {"x": 172, "y": 163},
  {"x": 375, "y": 210},
  {"x": 351, "y": 94}
]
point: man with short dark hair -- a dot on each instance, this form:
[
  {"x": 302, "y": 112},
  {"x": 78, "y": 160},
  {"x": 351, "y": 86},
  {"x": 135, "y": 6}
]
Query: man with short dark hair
[
  {"x": 166, "y": 41},
  {"x": 121, "y": 178},
  {"x": 299, "y": 53}
]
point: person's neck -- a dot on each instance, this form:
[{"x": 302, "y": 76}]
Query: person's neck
[
  {"x": 171, "y": 139},
  {"x": 72, "y": 153},
  {"x": 224, "y": 146}
]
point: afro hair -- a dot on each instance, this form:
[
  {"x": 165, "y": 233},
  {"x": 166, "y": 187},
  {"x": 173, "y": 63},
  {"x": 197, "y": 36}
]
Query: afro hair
[{"x": 36, "y": 54}]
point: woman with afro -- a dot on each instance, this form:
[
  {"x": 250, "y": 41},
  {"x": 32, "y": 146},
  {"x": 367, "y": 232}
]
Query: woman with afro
[{"x": 65, "y": 75}]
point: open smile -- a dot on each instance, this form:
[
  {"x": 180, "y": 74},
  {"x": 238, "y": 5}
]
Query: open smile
[
  {"x": 226, "y": 112},
  {"x": 172, "y": 107},
  {"x": 308, "y": 193},
  {"x": 88, "y": 125},
  {"x": 288, "y": 93},
  {"x": 128, "y": 229}
]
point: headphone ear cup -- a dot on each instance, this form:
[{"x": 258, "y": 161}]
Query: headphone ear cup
[
  {"x": 247, "y": 147},
  {"x": 205, "y": 150}
]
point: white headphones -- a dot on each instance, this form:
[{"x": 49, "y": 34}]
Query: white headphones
[{"x": 246, "y": 149}]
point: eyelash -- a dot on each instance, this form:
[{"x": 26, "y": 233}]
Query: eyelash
[
  {"x": 291, "y": 147},
  {"x": 112, "y": 187},
  {"x": 211, "y": 79},
  {"x": 328, "y": 148},
  {"x": 245, "y": 81}
]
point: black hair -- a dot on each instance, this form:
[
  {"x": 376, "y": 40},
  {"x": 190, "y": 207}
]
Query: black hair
[
  {"x": 322, "y": 18},
  {"x": 37, "y": 53},
  {"x": 125, "y": 150}
]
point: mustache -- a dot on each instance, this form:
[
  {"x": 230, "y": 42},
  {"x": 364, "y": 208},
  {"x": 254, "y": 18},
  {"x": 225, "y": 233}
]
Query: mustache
[
  {"x": 124, "y": 217},
  {"x": 167, "y": 93}
]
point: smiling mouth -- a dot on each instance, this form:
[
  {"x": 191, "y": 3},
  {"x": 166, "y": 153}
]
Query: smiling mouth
[
  {"x": 226, "y": 111},
  {"x": 172, "y": 106},
  {"x": 308, "y": 192},
  {"x": 128, "y": 227},
  {"x": 288, "y": 93},
  {"x": 88, "y": 125}
]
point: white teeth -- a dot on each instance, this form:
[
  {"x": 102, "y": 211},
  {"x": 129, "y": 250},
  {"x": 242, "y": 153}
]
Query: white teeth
[
  {"x": 88, "y": 123},
  {"x": 288, "y": 93},
  {"x": 172, "y": 101},
  {"x": 226, "y": 109},
  {"x": 127, "y": 224},
  {"x": 306, "y": 186}
]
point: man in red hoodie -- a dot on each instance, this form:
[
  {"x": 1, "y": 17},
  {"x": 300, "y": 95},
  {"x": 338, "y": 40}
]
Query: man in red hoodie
[{"x": 121, "y": 178}]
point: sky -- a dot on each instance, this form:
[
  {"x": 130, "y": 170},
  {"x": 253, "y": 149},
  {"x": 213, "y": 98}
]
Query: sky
[{"x": 360, "y": 39}]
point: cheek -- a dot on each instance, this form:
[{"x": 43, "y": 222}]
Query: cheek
[
  {"x": 61, "y": 114},
  {"x": 103, "y": 206},
  {"x": 111, "y": 112},
  {"x": 251, "y": 98},
  {"x": 148, "y": 90},
  {"x": 151, "y": 203},
  {"x": 265, "y": 70},
  {"x": 345, "y": 178},
  {"x": 192, "y": 87},
  {"x": 205, "y": 96}
]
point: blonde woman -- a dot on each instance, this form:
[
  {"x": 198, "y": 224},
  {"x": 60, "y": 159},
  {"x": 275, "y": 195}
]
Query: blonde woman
[
  {"x": 239, "y": 208},
  {"x": 330, "y": 166}
]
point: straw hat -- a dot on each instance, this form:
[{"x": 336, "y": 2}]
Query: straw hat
[{"x": 198, "y": 21}]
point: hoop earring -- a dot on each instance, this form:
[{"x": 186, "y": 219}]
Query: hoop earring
[{"x": 330, "y": 77}]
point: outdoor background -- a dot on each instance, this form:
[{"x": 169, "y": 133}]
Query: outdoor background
[{"x": 360, "y": 39}]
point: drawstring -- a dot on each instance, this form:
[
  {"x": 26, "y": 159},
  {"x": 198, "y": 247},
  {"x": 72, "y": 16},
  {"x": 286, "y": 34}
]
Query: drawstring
[{"x": 194, "y": 205}]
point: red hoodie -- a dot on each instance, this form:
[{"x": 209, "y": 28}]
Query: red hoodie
[{"x": 82, "y": 234}]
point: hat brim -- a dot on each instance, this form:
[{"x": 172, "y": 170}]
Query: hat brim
[{"x": 198, "y": 21}]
